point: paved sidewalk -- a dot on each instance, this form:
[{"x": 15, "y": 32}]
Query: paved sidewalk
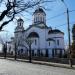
[
  {"x": 12, "y": 67},
  {"x": 45, "y": 63}
]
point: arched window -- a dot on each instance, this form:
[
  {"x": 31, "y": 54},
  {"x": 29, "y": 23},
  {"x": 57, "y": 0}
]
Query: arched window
[
  {"x": 49, "y": 43},
  {"x": 58, "y": 42},
  {"x": 35, "y": 42},
  {"x": 34, "y": 19},
  {"x": 42, "y": 18},
  {"x": 20, "y": 23},
  {"x": 38, "y": 17}
]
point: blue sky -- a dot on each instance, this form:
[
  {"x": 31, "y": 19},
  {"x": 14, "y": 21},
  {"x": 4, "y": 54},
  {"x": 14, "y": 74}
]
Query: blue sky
[{"x": 55, "y": 17}]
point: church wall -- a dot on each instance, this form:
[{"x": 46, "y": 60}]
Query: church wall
[
  {"x": 41, "y": 33},
  {"x": 35, "y": 45},
  {"x": 40, "y": 44},
  {"x": 50, "y": 44},
  {"x": 57, "y": 37}
]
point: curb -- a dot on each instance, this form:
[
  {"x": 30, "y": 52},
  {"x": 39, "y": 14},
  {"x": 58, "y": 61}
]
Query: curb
[
  {"x": 67, "y": 66},
  {"x": 55, "y": 65}
]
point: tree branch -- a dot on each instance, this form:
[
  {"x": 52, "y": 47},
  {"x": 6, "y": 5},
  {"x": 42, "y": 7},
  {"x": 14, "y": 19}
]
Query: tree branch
[
  {"x": 6, "y": 22},
  {"x": 18, "y": 6}
]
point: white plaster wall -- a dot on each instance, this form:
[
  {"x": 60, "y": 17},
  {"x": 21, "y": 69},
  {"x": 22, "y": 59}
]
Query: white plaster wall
[
  {"x": 52, "y": 44},
  {"x": 33, "y": 46},
  {"x": 59, "y": 37},
  {"x": 42, "y": 42},
  {"x": 41, "y": 34}
]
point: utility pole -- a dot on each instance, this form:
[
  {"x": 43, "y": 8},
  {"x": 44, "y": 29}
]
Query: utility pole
[
  {"x": 68, "y": 27},
  {"x": 70, "y": 59}
]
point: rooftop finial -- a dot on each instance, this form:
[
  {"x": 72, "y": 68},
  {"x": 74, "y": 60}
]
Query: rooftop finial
[{"x": 38, "y": 6}]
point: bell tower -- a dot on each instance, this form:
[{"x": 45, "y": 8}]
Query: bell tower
[{"x": 19, "y": 25}]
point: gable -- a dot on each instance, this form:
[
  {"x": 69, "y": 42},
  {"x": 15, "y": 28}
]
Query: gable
[{"x": 33, "y": 27}]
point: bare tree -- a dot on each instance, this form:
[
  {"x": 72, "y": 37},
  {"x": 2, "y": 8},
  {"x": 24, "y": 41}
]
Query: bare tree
[
  {"x": 29, "y": 42},
  {"x": 14, "y": 7},
  {"x": 4, "y": 46}
]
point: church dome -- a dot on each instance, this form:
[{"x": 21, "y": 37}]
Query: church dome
[
  {"x": 39, "y": 10},
  {"x": 20, "y": 20},
  {"x": 55, "y": 31},
  {"x": 39, "y": 16}
]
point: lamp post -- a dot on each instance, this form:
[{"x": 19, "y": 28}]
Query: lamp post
[{"x": 68, "y": 28}]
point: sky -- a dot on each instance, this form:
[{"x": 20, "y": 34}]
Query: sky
[{"x": 55, "y": 18}]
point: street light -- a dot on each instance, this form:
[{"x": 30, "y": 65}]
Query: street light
[{"x": 68, "y": 25}]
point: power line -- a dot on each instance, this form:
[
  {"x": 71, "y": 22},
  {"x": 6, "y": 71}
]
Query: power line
[
  {"x": 51, "y": 18},
  {"x": 48, "y": 18},
  {"x": 56, "y": 16},
  {"x": 59, "y": 15},
  {"x": 64, "y": 24},
  {"x": 71, "y": 10}
]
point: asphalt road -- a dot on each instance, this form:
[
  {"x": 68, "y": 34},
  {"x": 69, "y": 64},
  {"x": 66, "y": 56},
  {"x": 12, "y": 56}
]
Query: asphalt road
[{"x": 8, "y": 67}]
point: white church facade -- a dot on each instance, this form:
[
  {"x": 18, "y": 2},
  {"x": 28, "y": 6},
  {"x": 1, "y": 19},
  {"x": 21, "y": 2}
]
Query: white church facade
[{"x": 44, "y": 40}]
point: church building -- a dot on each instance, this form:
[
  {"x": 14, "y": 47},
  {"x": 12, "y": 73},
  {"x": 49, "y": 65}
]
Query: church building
[{"x": 44, "y": 40}]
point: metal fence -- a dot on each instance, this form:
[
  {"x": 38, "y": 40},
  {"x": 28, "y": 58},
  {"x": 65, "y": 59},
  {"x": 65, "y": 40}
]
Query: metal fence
[{"x": 40, "y": 58}]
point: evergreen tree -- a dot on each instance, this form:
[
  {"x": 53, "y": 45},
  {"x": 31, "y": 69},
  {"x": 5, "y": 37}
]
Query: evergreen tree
[{"x": 73, "y": 44}]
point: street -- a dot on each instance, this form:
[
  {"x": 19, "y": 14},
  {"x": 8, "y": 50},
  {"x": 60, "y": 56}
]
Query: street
[{"x": 8, "y": 67}]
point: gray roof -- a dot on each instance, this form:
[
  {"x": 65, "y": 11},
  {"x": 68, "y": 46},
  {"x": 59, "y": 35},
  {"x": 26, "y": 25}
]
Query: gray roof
[
  {"x": 55, "y": 31},
  {"x": 20, "y": 19},
  {"x": 39, "y": 10}
]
